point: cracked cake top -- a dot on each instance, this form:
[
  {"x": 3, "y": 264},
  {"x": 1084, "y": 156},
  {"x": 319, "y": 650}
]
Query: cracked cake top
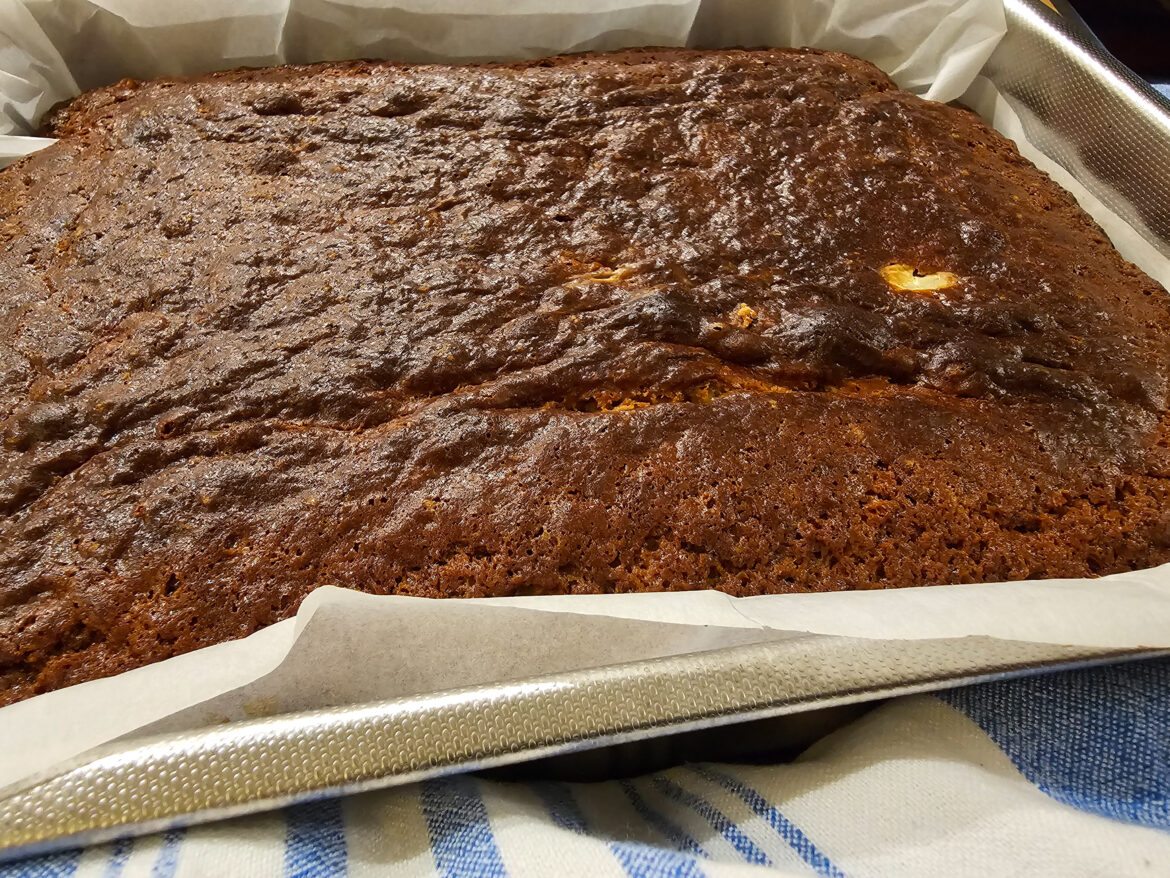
[{"x": 751, "y": 320}]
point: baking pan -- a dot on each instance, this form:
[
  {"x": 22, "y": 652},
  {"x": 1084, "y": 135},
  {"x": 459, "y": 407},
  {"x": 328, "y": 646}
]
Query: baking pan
[
  {"x": 1087, "y": 112},
  {"x": 1084, "y": 109},
  {"x": 240, "y": 768}
]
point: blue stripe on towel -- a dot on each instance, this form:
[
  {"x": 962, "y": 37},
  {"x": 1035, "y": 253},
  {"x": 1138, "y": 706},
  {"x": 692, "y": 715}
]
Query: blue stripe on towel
[
  {"x": 716, "y": 818},
  {"x": 561, "y": 805},
  {"x": 461, "y": 835},
  {"x": 787, "y": 830},
  {"x": 315, "y": 840},
  {"x": 1097, "y": 739},
  {"x": 120, "y": 851},
  {"x": 58, "y": 865},
  {"x": 664, "y": 827},
  {"x": 167, "y": 860},
  {"x": 637, "y": 859}
]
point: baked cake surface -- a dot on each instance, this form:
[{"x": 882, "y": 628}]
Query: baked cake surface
[{"x": 748, "y": 320}]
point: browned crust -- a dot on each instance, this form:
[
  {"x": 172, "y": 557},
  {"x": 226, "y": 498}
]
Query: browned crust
[{"x": 597, "y": 323}]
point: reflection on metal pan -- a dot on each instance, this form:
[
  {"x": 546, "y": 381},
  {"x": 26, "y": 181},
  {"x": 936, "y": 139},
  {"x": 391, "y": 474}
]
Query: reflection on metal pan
[
  {"x": 142, "y": 786},
  {"x": 1095, "y": 117}
]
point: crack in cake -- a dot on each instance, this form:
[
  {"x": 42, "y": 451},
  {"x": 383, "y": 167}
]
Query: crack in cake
[{"x": 749, "y": 320}]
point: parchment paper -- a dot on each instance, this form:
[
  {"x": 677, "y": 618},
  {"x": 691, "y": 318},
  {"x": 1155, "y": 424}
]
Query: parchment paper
[{"x": 344, "y": 647}]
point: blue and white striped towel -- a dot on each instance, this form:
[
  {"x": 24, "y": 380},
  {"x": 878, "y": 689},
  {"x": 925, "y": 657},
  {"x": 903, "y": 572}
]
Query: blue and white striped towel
[{"x": 1062, "y": 775}]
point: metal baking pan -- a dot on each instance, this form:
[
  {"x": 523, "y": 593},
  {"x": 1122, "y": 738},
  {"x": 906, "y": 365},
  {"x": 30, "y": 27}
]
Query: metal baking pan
[
  {"x": 1083, "y": 108},
  {"x": 240, "y": 768},
  {"x": 1107, "y": 127}
]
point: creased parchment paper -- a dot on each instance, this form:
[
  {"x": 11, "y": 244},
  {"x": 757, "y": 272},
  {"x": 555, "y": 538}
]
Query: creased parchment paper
[{"x": 344, "y": 647}]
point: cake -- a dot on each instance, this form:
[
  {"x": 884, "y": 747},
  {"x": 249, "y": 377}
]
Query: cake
[{"x": 756, "y": 321}]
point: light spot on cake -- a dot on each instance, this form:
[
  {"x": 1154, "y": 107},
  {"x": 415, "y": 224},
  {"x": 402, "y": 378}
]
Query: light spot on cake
[
  {"x": 601, "y": 275},
  {"x": 908, "y": 279},
  {"x": 743, "y": 316}
]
